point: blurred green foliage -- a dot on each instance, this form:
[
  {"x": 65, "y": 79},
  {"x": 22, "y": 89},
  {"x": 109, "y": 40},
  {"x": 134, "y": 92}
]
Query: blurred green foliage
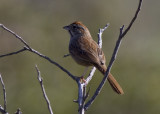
[{"x": 40, "y": 24}]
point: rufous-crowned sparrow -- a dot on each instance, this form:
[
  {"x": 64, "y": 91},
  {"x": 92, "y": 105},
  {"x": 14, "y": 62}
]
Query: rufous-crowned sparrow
[{"x": 85, "y": 51}]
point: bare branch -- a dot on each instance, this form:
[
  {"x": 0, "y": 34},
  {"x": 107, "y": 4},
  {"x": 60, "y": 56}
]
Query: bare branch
[
  {"x": 12, "y": 53},
  {"x": 89, "y": 78},
  {"x": 100, "y": 35},
  {"x": 134, "y": 18},
  {"x": 43, "y": 90},
  {"x": 121, "y": 35},
  {"x": 4, "y": 93}
]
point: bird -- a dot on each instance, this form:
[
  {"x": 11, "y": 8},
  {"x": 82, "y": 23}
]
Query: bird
[{"x": 86, "y": 52}]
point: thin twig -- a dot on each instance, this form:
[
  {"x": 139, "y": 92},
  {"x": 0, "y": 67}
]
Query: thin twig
[
  {"x": 121, "y": 35},
  {"x": 100, "y": 35},
  {"x": 4, "y": 93},
  {"x": 43, "y": 90},
  {"x": 12, "y": 53},
  {"x": 89, "y": 78},
  {"x": 133, "y": 19}
]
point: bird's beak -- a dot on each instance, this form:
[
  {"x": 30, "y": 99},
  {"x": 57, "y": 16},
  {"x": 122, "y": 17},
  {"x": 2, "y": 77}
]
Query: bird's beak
[{"x": 66, "y": 27}]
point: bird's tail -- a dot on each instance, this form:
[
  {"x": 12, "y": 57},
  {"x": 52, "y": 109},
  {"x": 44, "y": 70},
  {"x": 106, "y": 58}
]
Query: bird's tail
[{"x": 112, "y": 81}]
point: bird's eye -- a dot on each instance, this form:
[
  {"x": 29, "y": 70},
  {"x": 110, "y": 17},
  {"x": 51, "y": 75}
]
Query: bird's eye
[{"x": 74, "y": 26}]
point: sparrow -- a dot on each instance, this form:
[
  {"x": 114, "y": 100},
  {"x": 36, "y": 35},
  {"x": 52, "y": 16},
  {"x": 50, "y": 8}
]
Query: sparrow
[{"x": 85, "y": 51}]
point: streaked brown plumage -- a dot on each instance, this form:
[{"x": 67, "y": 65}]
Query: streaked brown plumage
[{"x": 85, "y": 51}]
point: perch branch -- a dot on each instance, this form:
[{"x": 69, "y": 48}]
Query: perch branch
[
  {"x": 43, "y": 90},
  {"x": 89, "y": 78},
  {"x": 121, "y": 35}
]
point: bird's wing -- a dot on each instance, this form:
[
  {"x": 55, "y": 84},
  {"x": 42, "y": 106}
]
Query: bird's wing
[{"x": 92, "y": 52}]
